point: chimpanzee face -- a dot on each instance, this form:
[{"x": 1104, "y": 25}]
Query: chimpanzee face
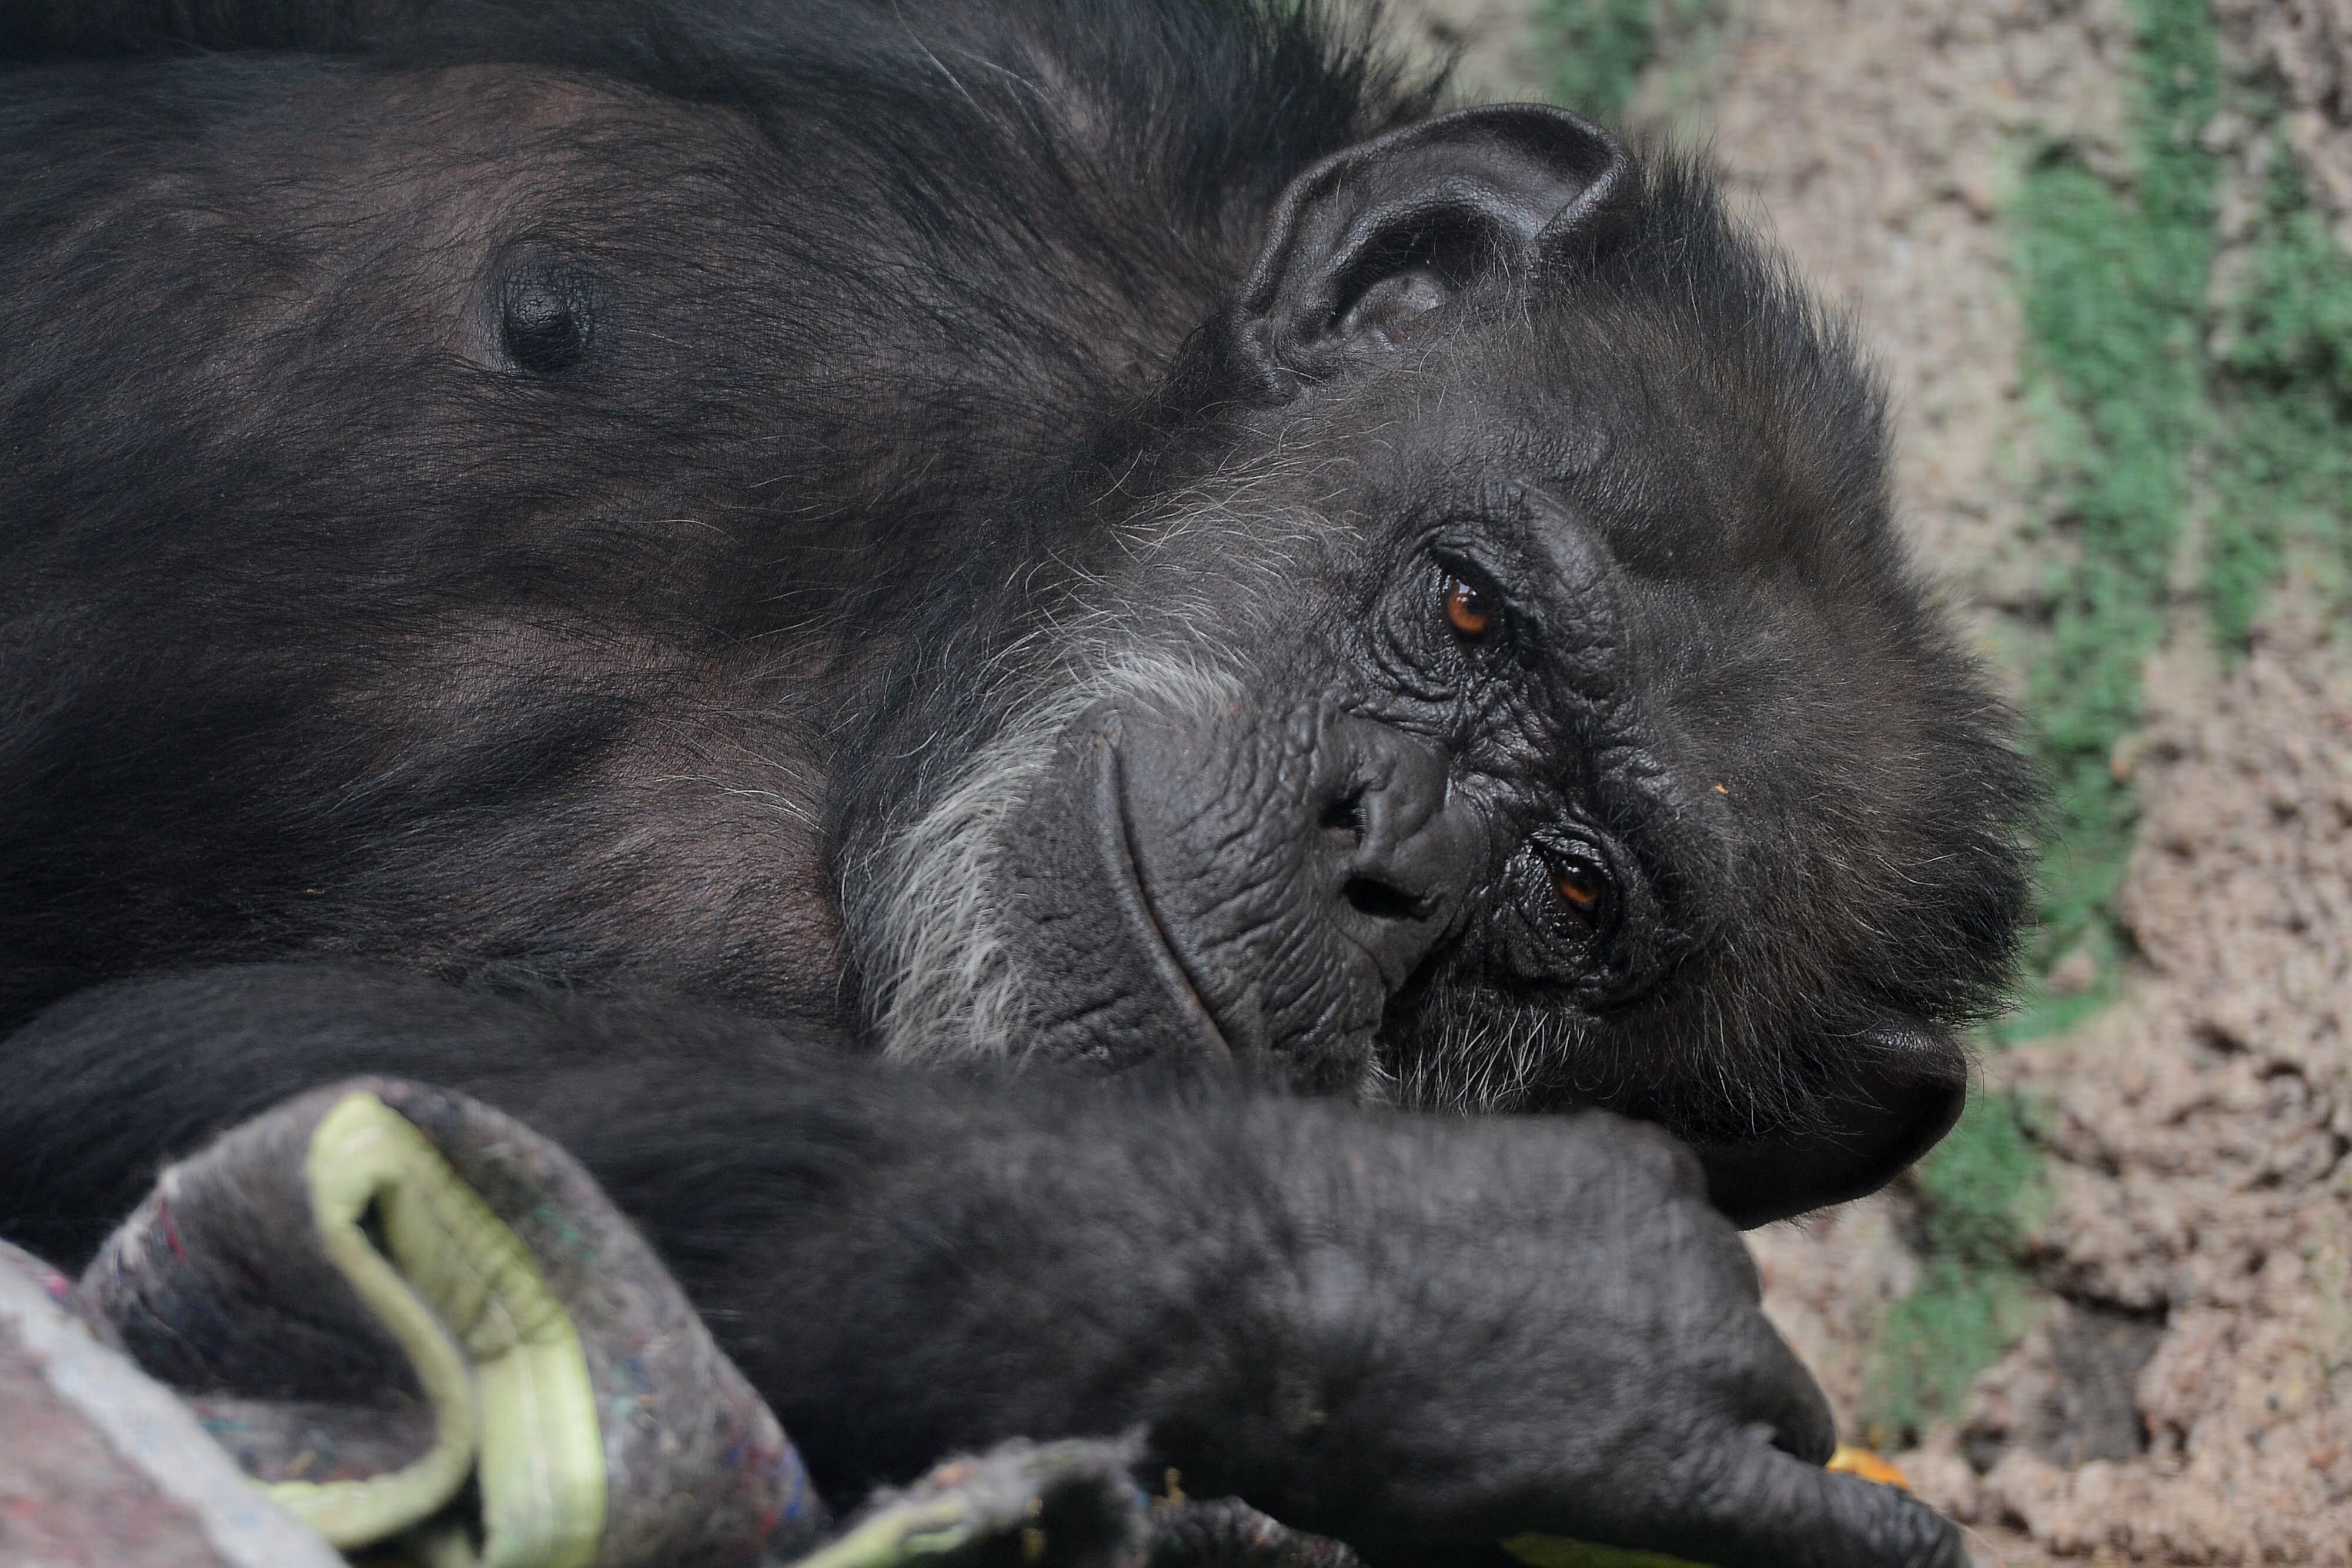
[{"x": 1520, "y": 701}]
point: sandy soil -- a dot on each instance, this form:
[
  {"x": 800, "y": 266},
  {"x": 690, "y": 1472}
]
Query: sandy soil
[
  {"x": 2309, "y": 43},
  {"x": 2186, "y": 1397}
]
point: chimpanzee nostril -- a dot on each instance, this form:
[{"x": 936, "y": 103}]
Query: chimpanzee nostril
[
  {"x": 1368, "y": 896},
  {"x": 1396, "y": 856},
  {"x": 1344, "y": 819}
]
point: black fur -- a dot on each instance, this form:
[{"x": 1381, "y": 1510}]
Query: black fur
[{"x": 934, "y": 522}]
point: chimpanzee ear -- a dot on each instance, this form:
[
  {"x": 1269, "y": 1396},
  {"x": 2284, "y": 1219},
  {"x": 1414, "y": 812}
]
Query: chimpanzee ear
[{"x": 1367, "y": 245}]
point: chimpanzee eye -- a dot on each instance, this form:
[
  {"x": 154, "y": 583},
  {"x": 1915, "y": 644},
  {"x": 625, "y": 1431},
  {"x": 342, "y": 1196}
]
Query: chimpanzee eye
[
  {"x": 1567, "y": 907},
  {"x": 1583, "y": 889},
  {"x": 547, "y": 318},
  {"x": 1467, "y": 610}
]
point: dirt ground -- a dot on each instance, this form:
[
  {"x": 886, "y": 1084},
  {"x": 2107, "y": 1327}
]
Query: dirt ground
[{"x": 2185, "y": 1394}]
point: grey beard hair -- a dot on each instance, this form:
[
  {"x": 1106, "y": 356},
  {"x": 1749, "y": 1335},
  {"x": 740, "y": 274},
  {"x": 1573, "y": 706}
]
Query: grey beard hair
[
  {"x": 948, "y": 984},
  {"x": 927, "y": 910},
  {"x": 1479, "y": 1061},
  {"x": 1474, "y": 1052}
]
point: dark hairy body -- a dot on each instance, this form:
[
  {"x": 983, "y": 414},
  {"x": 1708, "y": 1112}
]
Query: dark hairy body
[{"x": 673, "y": 567}]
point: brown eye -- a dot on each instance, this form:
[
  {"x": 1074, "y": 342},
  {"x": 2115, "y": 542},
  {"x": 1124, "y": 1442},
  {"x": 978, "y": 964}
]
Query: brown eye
[
  {"x": 1466, "y": 610},
  {"x": 1582, "y": 889}
]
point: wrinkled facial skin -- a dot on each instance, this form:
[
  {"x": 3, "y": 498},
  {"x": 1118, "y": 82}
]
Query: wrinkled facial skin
[{"x": 1560, "y": 724}]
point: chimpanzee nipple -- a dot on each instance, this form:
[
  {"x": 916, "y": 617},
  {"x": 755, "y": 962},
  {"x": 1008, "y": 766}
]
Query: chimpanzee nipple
[{"x": 547, "y": 317}]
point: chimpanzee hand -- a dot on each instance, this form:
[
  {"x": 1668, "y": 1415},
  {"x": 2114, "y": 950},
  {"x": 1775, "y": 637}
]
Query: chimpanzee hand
[
  {"x": 1415, "y": 1333},
  {"x": 1511, "y": 1326}
]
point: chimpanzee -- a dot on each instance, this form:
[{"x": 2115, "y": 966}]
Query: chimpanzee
[{"x": 665, "y": 565}]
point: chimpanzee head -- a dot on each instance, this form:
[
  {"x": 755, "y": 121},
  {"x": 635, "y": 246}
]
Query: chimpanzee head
[{"x": 1484, "y": 677}]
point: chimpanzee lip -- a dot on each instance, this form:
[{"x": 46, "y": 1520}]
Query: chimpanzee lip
[
  {"x": 1899, "y": 1104},
  {"x": 1123, "y": 862}
]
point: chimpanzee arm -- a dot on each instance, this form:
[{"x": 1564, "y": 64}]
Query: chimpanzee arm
[{"x": 1397, "y": 1329}]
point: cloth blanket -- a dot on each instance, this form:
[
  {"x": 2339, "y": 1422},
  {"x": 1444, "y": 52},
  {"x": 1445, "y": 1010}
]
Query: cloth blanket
[{"x": 387, "y": 1325}]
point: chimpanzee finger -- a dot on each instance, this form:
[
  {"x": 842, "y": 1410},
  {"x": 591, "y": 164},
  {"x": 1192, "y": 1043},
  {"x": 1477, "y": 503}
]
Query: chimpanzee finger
[
  {"x": 1753, "y": 1506},
  {"x": 1783, "y": 1397}
]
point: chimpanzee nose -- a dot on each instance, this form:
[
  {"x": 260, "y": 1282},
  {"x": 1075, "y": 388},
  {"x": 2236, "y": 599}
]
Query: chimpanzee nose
[{"x": 1394, "y": 856}]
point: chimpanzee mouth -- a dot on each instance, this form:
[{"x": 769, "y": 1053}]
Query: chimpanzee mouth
[{"x": 1123, "y": 868}]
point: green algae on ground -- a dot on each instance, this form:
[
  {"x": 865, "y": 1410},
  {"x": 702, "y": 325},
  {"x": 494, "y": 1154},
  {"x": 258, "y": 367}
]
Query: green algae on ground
[
  {"x": 2113, "y": 291},
  {"x": 1601, "y": 48},
  {"x": 2154, "y": 405},
  {"x": 2280, "y": 470}
]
